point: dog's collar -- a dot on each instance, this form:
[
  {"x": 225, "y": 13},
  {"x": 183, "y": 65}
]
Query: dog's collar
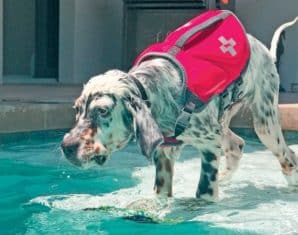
[{"x": 141, "y": 90}]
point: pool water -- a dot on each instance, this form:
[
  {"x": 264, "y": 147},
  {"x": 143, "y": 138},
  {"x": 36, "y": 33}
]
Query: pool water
[{"x": 41, "y": 193}]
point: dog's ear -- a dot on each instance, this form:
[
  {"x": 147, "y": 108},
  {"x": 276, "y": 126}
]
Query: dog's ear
[{"x": 147, "y": 132}]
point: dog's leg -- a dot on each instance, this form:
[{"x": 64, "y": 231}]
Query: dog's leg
[
  {"x": 164, "y": 165},
  {"x": 208, "y": 184},
  {"x": 268, "y": 129},
  {"x": 232, "y": 146}
]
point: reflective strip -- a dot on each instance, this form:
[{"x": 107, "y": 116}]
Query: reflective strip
[
  {"x": 188, "y": 34},
  {"x": 174, "y": 61}
]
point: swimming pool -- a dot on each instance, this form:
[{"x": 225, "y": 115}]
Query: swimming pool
[{"x": 41, "y": 193}]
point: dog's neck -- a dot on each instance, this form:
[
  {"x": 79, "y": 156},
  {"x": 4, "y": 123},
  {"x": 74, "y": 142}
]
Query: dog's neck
[{"x": 164, "y": 87}]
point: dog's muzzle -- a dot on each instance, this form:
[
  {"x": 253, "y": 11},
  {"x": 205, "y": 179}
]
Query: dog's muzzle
[{"x": 70, "y": 150}]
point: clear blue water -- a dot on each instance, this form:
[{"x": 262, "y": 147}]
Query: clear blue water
[{"x": 41, "y": 193}]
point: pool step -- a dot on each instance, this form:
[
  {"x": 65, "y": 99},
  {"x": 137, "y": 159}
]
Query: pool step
[
  {"x": 288, "y": 118},
  {"x": 47, "y": 107},
  {"x": 21, "y": 117},
  {"x": 33, "y": 116}
]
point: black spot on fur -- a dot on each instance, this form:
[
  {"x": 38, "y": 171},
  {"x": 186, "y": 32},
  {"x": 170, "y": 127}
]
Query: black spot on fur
[
  {"x": 105, "y": 124},
  {"x": 263, "y": 121},
  {"x": 208, "y": 168},
  {"x": 268, "y": 113},
  {"x": 209, "y": 156},
  {"x": 168, "y": 166},
  {"x": 198, "y": 124},
  {"x": 209, "y": 138},
  {"x": 210, "y": 191},
  {"x": 273, "y": 112},
  {"x": 158, "y": 166},
  {"x": 203, "y": 185},
  {"x": 269, "y": 96},
  {"x": 204, "y": 131},
  {"x": 196, "y": 134},
  {"x": 159, "y": 182},
  {"x": 278, "y": 140},
  {"x": 213, "y": 177},
  {"x": 127, "y": 119}
]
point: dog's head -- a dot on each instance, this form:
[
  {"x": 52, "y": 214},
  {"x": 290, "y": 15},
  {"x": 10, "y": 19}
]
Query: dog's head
[{"x": 109, "y": 113}]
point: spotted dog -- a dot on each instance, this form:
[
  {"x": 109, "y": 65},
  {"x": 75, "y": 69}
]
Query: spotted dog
[{"x": 112, "y": 111}]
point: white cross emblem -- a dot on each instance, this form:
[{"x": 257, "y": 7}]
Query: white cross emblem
[{"x": 227, "y": 45}]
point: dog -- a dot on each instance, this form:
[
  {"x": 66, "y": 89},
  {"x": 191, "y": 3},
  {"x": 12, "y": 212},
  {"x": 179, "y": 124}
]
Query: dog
[{"x": 115, "y": 108}]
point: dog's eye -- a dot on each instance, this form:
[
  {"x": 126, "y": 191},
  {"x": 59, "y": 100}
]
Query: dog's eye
[{"x": 101, "y": 112}]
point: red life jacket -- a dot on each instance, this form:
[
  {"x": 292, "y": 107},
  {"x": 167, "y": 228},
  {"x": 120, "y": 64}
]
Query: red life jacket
[{"x": 211, "y": 49}]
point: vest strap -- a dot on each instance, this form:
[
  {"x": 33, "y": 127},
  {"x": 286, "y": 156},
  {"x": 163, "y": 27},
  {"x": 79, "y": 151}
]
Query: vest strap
[
  {"x": 141, "y": 90},
  {"x": 192, "y": 104}
]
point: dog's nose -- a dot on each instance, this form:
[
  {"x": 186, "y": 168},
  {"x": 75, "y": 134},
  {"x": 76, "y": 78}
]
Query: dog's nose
[{"x": 69, "y": 149}]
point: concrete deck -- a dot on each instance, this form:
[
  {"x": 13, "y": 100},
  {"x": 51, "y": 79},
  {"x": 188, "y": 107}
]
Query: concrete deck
[{"x": 47, "y": 107}]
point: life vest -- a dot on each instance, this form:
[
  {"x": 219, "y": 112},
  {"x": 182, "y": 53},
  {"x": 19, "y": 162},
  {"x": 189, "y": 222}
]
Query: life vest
[{"x": 211, "y": 51}]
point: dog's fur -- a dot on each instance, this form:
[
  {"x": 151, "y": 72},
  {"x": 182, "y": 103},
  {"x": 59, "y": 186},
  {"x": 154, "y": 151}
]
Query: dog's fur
[{"x": 110, "y": 113}]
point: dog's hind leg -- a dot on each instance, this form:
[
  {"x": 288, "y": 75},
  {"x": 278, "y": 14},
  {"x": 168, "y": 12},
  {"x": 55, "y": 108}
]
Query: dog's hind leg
[
  {"x": 268, "y": 129},
  {"x": 232, "y": 146},
  {"x": 164, "y": 165}
]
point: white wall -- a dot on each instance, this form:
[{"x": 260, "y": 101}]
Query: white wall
[
  {"x": 261, "y": 18},
  {"x": 90, "y": 38}
]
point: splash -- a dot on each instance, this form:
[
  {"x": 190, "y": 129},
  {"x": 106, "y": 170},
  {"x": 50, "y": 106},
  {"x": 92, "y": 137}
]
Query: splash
[{"x": 256, "y": 199}]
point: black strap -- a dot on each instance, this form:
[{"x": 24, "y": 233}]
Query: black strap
[
  {"x": 141, "y": 90},
  {"x": 231, "y": 95},
  {"x": 192, "y": 104}
]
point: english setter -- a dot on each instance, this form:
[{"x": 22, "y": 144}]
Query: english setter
[{"x": 111, "y": 112}]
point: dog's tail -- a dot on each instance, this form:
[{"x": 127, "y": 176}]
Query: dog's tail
[{"x": 276, "y": 37}]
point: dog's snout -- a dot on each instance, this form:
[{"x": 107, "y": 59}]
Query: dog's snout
[
  {"x": 69, "y": 145},
  {"x": 69, "y": 149}
]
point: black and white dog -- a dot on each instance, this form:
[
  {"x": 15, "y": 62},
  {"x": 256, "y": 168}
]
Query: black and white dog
[{"x": 111, "y": 112}]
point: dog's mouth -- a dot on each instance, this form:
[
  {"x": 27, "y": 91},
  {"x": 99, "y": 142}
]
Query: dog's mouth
[{"x": 100, "y": 159}]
